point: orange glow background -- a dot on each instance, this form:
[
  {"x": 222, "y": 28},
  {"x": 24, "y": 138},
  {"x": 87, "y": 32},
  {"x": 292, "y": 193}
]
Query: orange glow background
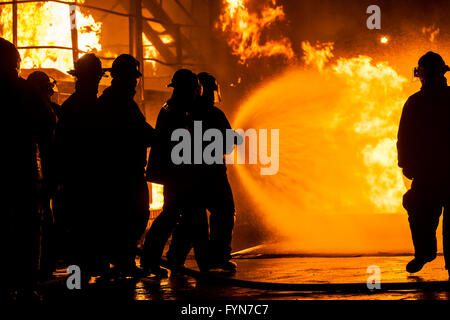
[{"x": 338, "y": 189}]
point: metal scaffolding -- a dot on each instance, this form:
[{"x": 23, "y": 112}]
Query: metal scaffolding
[
  {"x": 181, "y": 52},
  {"x": 183, "y": 46}
]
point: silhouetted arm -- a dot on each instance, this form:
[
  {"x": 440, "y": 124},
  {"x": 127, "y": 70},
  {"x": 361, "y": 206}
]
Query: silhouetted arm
[
  {"x": 157, "y": 165},
  {"x": 142, "y": 127},
  {"x": 148, "y": 133},
  {"x": 224, "y": 126},
  {"x": 43, "y": 123},
  {"x": 407, "y": 140}
]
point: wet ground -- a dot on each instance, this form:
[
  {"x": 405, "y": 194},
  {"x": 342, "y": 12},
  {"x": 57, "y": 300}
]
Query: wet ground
[{"x": 312, "y": 270}]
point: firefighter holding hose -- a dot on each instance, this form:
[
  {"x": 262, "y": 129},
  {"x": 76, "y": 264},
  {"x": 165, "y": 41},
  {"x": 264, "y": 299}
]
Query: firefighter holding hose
[
  {"x": 213, "y": 191},
  {"x": 424, "y": 156},
  {"x": 177, "y": 179}
]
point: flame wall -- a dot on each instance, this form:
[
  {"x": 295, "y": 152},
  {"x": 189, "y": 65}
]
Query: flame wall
[{"x": 338, "y": 189}]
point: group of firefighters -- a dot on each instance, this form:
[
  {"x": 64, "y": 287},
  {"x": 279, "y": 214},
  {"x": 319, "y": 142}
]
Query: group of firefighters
[
  {"x": 75, "y": 176},
  {"x": 83, "y": 168}
]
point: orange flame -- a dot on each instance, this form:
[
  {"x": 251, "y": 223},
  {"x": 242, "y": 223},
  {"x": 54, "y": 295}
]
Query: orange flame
[
  {"x": 245, "y": 30},
  {"x": 432, "y": 32},
  {"x": 48, "y": 24},
  {"x": 378, "y": 90},
  {"x": 150, "y": 51},
  {"x": 337, "y": 152},
  {"x": 157, "y": 197},
  {"x": 318, "y": 55}
]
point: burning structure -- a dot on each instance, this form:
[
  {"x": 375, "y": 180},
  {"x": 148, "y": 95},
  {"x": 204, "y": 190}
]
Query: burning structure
[{"x": 334, "y": 90}]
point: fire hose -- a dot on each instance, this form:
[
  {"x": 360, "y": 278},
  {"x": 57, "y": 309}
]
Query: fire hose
[{"x": 308, "y": 287}]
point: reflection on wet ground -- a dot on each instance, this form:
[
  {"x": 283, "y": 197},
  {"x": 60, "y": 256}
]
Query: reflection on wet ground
[{"x": 279, "y": 270}]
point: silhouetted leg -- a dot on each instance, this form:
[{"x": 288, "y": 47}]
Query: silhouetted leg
[
  {"x": 182, "y": 239},
  {"x": 142, "y": 213},
  {"x": 99, "y": 225},
  {"x": 120, "y": 215},
  {"x": 161, "y": 229},
  {"x": 221, "y": 224},
  {"x": 446, "y": 236},
  {"x": 62, "y": 223},
  {"x": 143, "y": 210},
  {"x": 87, "y": 224},
  {"x": 221, "y": 206},
  {"x": 180, "y": 244},
  {"x": 200, "y": 237},
  {"x": 424, "y": 211},
  {"x": 131, "y": 222},
  {"x": 48, "y": 239},
  {"x": 24, "y": 230},
  {"x": 78, "y": 237}
]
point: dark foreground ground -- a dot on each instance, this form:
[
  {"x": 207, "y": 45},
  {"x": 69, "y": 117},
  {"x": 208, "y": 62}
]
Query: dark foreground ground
[{"x": 306, "y": 270}]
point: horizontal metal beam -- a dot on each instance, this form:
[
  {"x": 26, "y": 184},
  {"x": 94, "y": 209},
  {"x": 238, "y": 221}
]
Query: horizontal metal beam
[
  {"x": 171, "y": 27},
  {"x": 97, "y": 8}
]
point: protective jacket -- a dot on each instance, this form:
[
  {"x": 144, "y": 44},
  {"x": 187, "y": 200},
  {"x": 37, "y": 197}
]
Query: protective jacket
[{"x": 424, "y": 133}]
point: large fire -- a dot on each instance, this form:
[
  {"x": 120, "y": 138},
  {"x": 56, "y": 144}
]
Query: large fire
[
  {"x": 338, "y": 188},
  {"x": 48, "y": 24},
  {"x": 338, "y": 161},
  {"x": 157, "y": 197},
  {"x": 150, "y": 52},
  {"x": 377, "y": 90},
  {"x": 244, "y": 30}
]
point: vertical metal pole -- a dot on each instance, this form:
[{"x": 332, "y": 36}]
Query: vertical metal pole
[
  {"x": 139, "y": 51},
  {"x": 74, "y": 31},
  {"x": 131, "y": 22},
  {"x": 14, "y": 22}
]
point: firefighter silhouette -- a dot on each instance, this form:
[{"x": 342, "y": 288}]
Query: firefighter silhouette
[
  {"x": 27, "y": 125},
  {"x": 80, "y": 158},
  {"x": 44, "y": 87},
  {"x": 127, "y": 137},
  {"x": 424, "y": 155},
  {"x": 213, "y": 191},
  {"x": 177, "y": 179}
]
